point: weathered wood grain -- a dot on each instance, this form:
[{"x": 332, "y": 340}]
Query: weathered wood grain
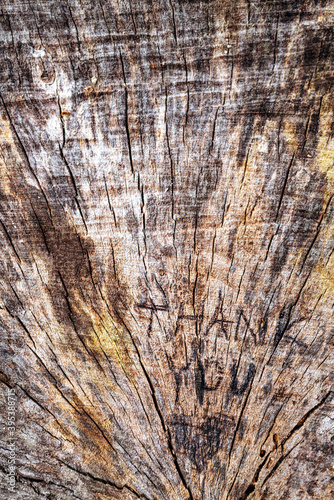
[{"x": 166, "y": 219}]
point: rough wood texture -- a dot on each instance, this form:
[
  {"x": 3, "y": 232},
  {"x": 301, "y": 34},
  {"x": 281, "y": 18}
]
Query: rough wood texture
[{"x": 167, "y": 256}]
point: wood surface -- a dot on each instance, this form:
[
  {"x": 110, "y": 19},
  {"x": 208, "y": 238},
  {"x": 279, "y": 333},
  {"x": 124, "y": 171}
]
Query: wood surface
[{"x": 167, "y": 249}]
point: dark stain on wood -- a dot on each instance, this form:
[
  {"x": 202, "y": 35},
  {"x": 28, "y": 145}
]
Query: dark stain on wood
[{"x": 201, "y": 441}]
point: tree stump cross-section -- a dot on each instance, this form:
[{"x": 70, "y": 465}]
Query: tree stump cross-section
[{"x": 167, "y": 249}]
